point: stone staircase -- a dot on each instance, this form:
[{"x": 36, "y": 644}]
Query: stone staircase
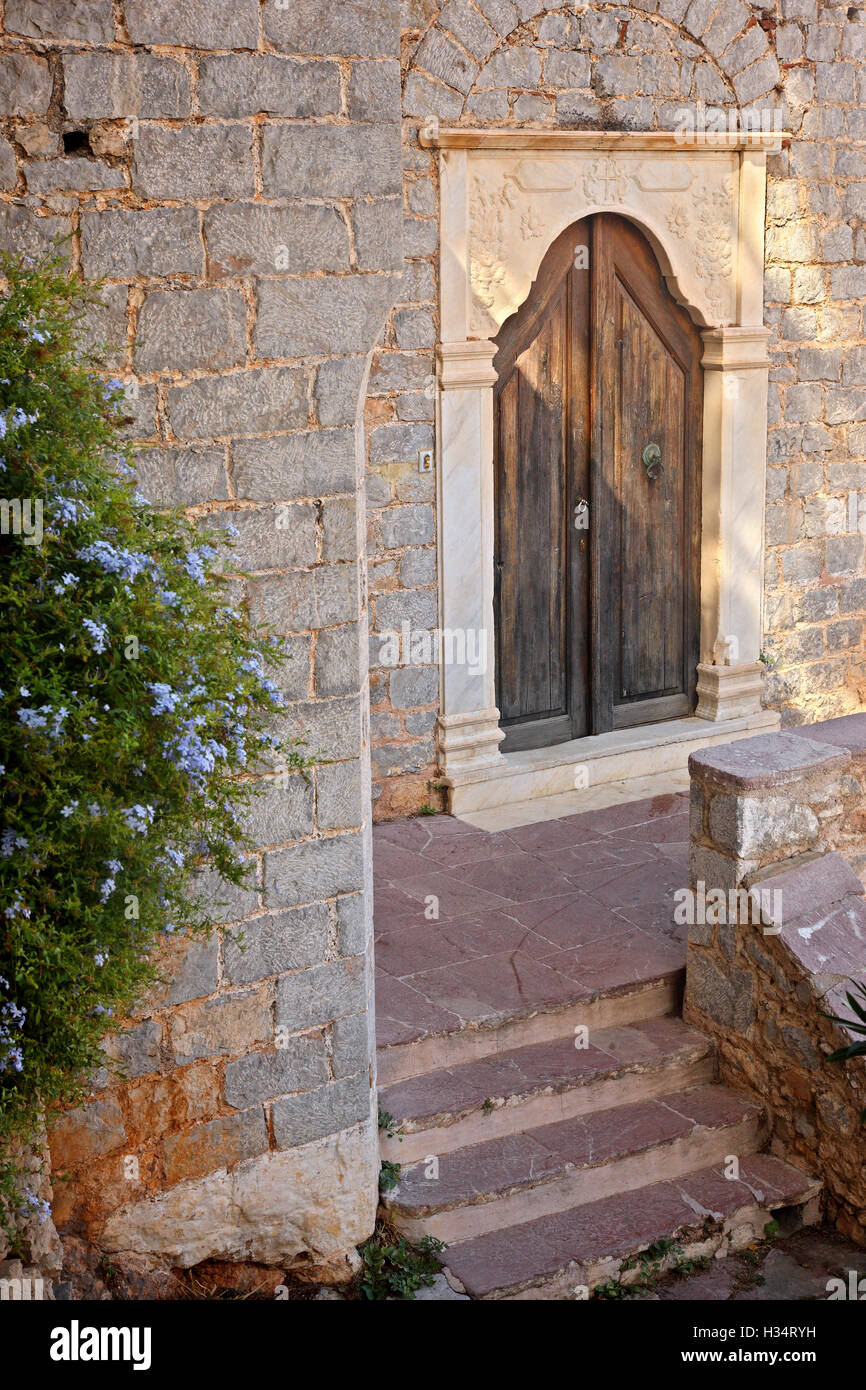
[
  {"x": 553, "y": 1164},
  {"x": 551, "y": 1144}
]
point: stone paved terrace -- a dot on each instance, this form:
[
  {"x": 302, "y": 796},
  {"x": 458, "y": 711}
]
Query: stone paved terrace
[{"x": 530, "y": 916}]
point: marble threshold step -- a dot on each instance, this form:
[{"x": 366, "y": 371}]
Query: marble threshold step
[
  {"x": 641, "y": 751},
  {"x": 557, "y": 1167},
  {"x": 561, "y": 1255},
  {"x": 534, "y": 1023},
  {"x": 508, "y": 1092}
]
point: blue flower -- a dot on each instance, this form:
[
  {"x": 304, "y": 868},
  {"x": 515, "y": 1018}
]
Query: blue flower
[{"x": 99, "y": 633}]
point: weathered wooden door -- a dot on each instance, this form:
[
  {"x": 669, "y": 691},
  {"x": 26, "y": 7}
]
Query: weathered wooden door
[{"x": 598, "y": 412}]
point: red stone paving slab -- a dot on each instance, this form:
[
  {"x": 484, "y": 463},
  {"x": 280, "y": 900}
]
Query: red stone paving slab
[
  {"x": 456, "y": 898},
  {"x": 410, "y": 951},
  {"x": 417, "y": 832},
  {"x": 625, "y": 887},
  {"x": 455, "y": 850},
  {"x": 520, "y": 1254},
  {"x": 393, "y": 862},
  {"x": 402, "y": 1014},
  {"x": 573, "y": 921},
  {"x": 830, "y": 942},
  {"x": 554, "y": 834},
  {"x": 551, "y": 1067},
  {"x": 620, "y": 960},
  {"x": 506, "y": 984},
  {"x": 518, "y": 877},
  {"x": 658, "y": 831},
  {"x": 632, "y": 812},
  {"x": 712, "y": 1105},
  {"x": 822, "y": 881},
  {"x": 848, "y": 731},
  {"x": 763, "y": 1181}
]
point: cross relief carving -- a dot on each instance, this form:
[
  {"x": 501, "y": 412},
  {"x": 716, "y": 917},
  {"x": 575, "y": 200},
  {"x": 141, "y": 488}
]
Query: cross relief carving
[{"x": 518, "y": 205}]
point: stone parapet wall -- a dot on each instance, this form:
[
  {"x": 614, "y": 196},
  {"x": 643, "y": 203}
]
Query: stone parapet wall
[
  {"x": 781, "y": 817},
  {"x": 231, "y": 170}
]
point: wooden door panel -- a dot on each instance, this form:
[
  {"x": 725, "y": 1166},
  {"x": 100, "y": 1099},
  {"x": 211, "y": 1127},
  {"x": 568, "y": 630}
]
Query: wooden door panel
[
  {"x": 532, "y": 523},
  {"x": 538, "y": 646},
  {"x": 647, "y": 390},
  {"x": 651, "y": 395}
]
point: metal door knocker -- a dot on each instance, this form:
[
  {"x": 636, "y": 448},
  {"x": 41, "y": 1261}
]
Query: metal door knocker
[{"x": 652, "y": 461}]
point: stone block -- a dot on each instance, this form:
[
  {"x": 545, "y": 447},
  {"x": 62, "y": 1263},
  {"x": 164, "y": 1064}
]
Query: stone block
[
  {"x": 298, "y": 1120},
  {"x": 314, "y": 870},
  {"x": 424, "y": 97},
  {"x": 728, "y": 999},
  {"x": 111, "y": 86},
  {"x": 158, "y": 1104},
  {"x": 86, "y": 1132},
  {"x": 307, "y": 599},
  {"x": 250, "y": 402},
  {"x": 439, "y": 56},
  {"x": 277, "y": 814},
  {"x": 412, "y": 525},
  {"x": 137, "y": 1050},
  {"x": 189, "y": 967},
  {"x": 25, "y": 85},
  {"x": 87, "y": 21},
  {"x": 320, "y": 315},
  {"x": 330, "y": 161},
  {"x": 25, "y": 234},
  {"x": 269, "y": 538},
  {"x": 338, "y": 660},
  {"x": 102, "y": 328},
  {"x": 220, "y": 1143},
  {"x": 369, "y": 28},
  {"x": 309, "y": 464},
  {"x": 339, "y": 530},
  {"x": 330, "y": 727},
  {"x": 184, "y": 330},
  {"x": 414, "y": 685},
  {"x": 249, "y": 84},
  {"x": 339, "y": 796},
  {"x": 205, "y": 161},
  {"x": 226, "y": 1025},
  {"x": 194, "y": 24},
  {"x": 72, "y": 175},
  {"x": 182, "y": 477},
  {"x": 298, "y": 1064},
  {"x": 319, "y": 995},
  {"x": 378, "y": 230},
  {"x": 337, "y": 393},
  {"x": 374, "y": 91},
  {"x": 270, "y": 945},
  {"x": 354, "y": 924},
  {"x": 312, "y": 1203},
  {"x": 259, "y": 239},
  {"x": 153, "y": 242},
  {"x": 225, "y": 901}
]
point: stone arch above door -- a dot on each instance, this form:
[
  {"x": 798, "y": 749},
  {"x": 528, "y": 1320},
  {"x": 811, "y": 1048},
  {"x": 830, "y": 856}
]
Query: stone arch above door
[{"x": 505, "y": 196}]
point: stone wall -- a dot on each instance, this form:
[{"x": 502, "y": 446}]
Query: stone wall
[
  {"x": 782, "y": 816},
  {"x": 232, "y": 169},
  {"x": 640, "y": 66}
]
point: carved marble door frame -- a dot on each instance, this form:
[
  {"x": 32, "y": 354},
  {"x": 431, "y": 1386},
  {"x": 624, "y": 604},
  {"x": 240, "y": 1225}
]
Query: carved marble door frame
[{"x": 505, "y": 196}]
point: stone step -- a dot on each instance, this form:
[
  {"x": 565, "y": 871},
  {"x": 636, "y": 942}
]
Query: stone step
[
  {"x": 532, "y": 1086},
  {"x": 555, "y": 1168},
  {"x": 560, "y": 1256},
  {"x": 616, "y": 1006}
]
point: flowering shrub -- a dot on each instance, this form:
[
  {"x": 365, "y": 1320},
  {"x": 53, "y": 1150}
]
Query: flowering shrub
[{"x": 133, "y": 709}]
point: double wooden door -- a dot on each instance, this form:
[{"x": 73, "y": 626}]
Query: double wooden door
[{"x": 598, "y": 411}]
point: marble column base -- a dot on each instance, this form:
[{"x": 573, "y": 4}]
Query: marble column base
[
  {"x": 469, "y": 741},
  {"x": 729, "y": 692}
]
